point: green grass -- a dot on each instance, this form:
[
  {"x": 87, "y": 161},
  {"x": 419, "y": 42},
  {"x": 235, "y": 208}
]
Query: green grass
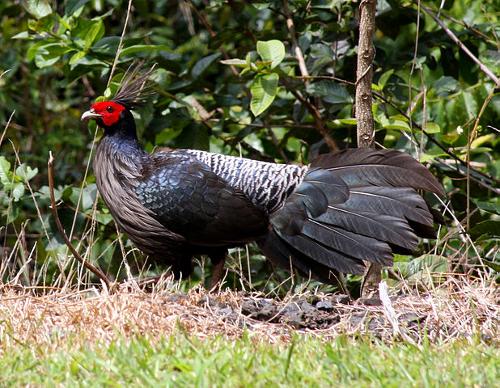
[{"x": 183, "y": 360}]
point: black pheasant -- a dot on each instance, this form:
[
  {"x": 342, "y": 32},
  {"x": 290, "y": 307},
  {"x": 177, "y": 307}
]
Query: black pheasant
[{"x": 344, "y": 208}]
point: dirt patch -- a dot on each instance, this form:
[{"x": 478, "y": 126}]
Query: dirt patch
[
  {"x": 303, "y": 312},
  {"x": 452, "y": 311}
]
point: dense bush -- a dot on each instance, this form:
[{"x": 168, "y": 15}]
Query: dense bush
[{"x": 228, "y": 80}]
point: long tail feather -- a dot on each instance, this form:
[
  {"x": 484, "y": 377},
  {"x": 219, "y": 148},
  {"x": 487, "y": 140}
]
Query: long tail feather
[
  {"x": 353, "y": 206},
  {"x": 379, "y": 168},
  {"x": 284, "y": 255}
]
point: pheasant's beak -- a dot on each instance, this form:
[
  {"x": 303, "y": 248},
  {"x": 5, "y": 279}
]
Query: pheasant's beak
[{"x": 90, "y": 114}]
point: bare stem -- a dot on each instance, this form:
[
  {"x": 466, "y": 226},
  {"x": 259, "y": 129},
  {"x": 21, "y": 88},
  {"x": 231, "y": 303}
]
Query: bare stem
[
  {"x": 296, "y": 48},
  {"x": 120, "y": 44},
  {"x": 96, "y": 271},
  {"x": 470, "y": 139},
  {"x": 6, "y": 127}
]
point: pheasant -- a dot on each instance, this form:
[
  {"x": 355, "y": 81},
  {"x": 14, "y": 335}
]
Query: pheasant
[{"x": 330, "y": 216}]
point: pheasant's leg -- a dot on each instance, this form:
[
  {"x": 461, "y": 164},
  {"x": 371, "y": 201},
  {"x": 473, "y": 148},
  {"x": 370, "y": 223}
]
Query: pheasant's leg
[{"x": 218, "y": 262}]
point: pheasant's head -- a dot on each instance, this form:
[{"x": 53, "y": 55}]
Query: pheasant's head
[
  {"x": 106, "y": 113},
  {"x": 114, "y": 115}
]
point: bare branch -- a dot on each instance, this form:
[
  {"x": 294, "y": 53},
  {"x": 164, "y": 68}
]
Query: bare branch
[
  {"x": 318, "y": 121},
  {"x": 312, "y": 108},
  {"x": 463, "y": 47},
  {"x": 327, "y": 77},
  {"x": 295, "y": 46}
]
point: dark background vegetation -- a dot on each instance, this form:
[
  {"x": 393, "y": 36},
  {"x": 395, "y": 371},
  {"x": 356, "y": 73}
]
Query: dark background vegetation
[{"x": 56, "y": 57}]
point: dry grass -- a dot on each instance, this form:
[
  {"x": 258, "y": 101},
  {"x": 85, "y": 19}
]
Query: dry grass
[{"x": 456, "y": 309}]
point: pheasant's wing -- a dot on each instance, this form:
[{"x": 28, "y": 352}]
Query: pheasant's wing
[{"x": 191, "y": 200}]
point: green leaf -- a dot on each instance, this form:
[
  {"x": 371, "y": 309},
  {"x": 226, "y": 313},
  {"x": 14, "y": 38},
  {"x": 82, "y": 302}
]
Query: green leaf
[
  {"x": 425, "y": 157},
  {"x": 146, "y": 48},
  {"x": 44, "y": 193},
  {"x": 49, "y": 54},
  {"x": 107, "y": 45},
  {"x": 490, "y": 138},
  {"x": 382, "y": 81},
  {"x": 341, "y": 122},
  {"x": 38, "y": 8},
  {"x": 478, "y": 150},
  {"x": 4, "y": 170},
  {"x": 254, "y": 141},
  {"x": 398, "y": 122},
  {"x": 104, "y": 218},
  {"x": 76, "y": 57},
  {"x": 89, "y": 61},
  {"x": 426, "y": 269},
  {"x": 234, "y": 62},
  {"x": 88, "y": 196},
  {"x": 25, "y": 172},
  {"x": 33, "y": 49},
  {"x": 492, "y": 206},
  {"x": 330, "y": 92},
  {"x": 469, "y": 104},
  {"x": 432, "y": 128},
  {"x": 428, "y": 263},
  {"x": 349, "y": 121},
  {"x": 21, "y": 35},
  {"x": 293, "y": 144},
  {"x": 94, "y": 33},
  {"x": 271, "y": 51},
  {"x": 488, "y": 227},
  {"x": 263, "y": 89},
  {"x": 73, "y": 6},
  {"x": 251, "y": 56},
  {"x": 203, "y": 64},
  {"x": 445, "y": 86},
  {"x": 86, "y": 32},
  {"x": 493, "y": 265},
  {"x": 18, "y": 191}
]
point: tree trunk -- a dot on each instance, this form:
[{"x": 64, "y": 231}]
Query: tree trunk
[{"x": 364, "y": 115}]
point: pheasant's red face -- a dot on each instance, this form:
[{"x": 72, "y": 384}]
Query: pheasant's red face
[{"x": 107, "y": 112}]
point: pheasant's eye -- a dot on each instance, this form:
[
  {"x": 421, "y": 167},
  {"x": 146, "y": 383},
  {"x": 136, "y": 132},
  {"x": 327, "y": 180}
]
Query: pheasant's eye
[{"x": 109, "y": 109}]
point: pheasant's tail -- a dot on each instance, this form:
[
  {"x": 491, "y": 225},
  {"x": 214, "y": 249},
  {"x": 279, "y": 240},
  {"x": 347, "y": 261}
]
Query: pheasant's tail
[{"x": 352, "y": 206}]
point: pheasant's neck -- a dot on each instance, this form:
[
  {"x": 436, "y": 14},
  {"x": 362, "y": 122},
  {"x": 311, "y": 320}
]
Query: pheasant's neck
[
  {"x": 123, "y": 146},
  {"x": 119, "y": 161},
  {"x": 118, "y": 165}
]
